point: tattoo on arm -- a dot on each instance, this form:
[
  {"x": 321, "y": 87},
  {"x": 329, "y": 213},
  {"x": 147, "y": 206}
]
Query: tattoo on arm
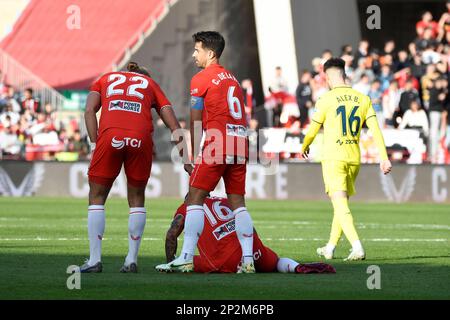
[{"x": 172, "y": 235}]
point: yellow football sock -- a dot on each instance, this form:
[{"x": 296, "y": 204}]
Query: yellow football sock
[
  {"x": 345, "y": 218},
  {"x": 336, "y": 231}
]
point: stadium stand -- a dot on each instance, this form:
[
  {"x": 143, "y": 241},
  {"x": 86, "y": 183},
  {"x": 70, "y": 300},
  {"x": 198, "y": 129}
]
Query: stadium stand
[
  {"x": 50, "y": 51},
  {"x": 393, "y": 77}
]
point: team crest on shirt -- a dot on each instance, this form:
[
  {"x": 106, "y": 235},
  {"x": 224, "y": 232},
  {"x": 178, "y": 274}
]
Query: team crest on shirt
[
  {"x": 224, "y": 230},
  {"x": 122, "y": 105}
]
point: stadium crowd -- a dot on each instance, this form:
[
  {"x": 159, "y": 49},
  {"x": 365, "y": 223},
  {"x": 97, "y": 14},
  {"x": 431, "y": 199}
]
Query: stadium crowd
[
  {"x": 408, "y": 86},
  {"x": 31, "y": 130}
]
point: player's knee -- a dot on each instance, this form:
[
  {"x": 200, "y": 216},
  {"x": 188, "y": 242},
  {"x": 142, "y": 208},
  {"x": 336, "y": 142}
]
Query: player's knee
[
  {"x": 196, "y": 196},
  {"x": 236, "y": 201}
]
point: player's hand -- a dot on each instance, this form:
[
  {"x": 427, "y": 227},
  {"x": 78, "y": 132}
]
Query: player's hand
[
  {"x": 188, "y": 168},
  {"x": 386, "y": 166},
  {"x": 305, "y": 154}
]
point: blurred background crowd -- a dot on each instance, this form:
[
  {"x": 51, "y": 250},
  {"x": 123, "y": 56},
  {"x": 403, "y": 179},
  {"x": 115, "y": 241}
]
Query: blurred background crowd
[{"x": 408, "y": 87}]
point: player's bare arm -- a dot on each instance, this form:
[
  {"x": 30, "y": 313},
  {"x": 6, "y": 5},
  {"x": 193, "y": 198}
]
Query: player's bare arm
[
  {"x": 196, "y": 135},
  {"x": 93, "y": 104},
  {"x": 176, "y": 227}
]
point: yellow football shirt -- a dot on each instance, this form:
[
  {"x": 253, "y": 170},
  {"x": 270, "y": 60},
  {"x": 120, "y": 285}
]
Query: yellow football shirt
[{"x": 342, "y": 111}]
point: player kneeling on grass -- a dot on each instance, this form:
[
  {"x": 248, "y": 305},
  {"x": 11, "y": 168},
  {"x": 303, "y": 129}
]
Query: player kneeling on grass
[
  {"x": 124, "y": 137},
  {"x": 219, "y": 247}
]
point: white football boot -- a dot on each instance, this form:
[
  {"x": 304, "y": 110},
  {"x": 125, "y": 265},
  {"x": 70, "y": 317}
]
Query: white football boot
[
  {"x": 178, "y": 265},
  {"x": 356, "y": 255},
  {"x": 325, "y": 252}
]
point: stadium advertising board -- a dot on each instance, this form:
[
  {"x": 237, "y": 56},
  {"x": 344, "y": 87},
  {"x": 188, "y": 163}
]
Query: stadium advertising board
[{"x": 408, "y": 183}]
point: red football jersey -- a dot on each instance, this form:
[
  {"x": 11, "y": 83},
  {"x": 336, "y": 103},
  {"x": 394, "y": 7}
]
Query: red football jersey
[
  {"x": 127, "y": 99},
  {"x": 218, "y": 240},
  {"x": 224, "y": 111}
]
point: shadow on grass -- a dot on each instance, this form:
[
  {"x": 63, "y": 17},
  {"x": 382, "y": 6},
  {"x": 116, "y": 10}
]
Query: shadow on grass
[{"x": 27, "y": 276}]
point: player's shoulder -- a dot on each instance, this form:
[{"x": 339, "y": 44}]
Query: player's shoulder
[
  {"x": 200, "y": 76},
  {"x": 199, "y": 82}
]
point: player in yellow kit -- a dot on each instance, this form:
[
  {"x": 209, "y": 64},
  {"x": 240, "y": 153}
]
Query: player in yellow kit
[{"x": 342, "y": 112}]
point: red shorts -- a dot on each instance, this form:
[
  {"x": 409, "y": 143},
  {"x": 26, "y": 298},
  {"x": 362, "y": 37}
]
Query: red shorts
[
  {"x": 265, "y": 260},
  {"x": 117, "y": 146},
  {"x": 207, "y": 176}
]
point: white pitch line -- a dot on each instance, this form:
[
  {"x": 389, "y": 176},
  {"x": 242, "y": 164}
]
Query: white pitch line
[{"x": 264, "y": 239}]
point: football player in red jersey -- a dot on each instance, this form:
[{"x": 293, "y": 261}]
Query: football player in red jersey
[
  {"x": 217, "y": 103},
  {"x": 123, "y": 137},
  {"x": 219, "y": 248}
]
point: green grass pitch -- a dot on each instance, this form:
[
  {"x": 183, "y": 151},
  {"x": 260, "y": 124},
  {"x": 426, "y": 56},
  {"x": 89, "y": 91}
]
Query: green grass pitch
[{"x": 41, "y": 237}]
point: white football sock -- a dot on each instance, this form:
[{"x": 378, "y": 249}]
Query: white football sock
[
  {"x": 96, "y": 228},
  {"x": 357, "y": 246},
  {"x": 193, "y": 228},
  {"x": 286, "y": 265},
  {"x": 244, "y": 231},
  {"x": 136, "y": 225}
]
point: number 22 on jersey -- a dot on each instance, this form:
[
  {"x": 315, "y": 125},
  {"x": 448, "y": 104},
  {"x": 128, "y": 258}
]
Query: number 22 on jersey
[{"x": 132, "y": 91}]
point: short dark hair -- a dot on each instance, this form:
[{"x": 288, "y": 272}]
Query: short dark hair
[
  {"x": 211, "y": 40},
  {"x": 335, "y": 62}
]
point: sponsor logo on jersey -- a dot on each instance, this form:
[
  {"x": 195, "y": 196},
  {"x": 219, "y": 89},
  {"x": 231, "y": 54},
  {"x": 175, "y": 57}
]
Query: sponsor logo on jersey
[
  {"x": 224, "y": 230},
  {"x": 131, "y": 142},
  {"x": 122, "y": 105},
  {"x": 236, "y": 130}
]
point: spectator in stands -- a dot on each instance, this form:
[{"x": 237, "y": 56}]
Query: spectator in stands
[
  {"x": 363, "y": 85},
  {"x": 389, "y": 48},
  {"x": 249, "y": 99},
  {"x": 76, "y": 144},
  {"x": 348, "y": 65},
  {"x": 29, "y": 102},
  {"x": 426, "y": 81},
  {"x": 446, "y": 122},
  {"x": 438, "y": 94},
  {"x": 326, "y": 55},
  {"x": 402, "y": 61},
  {"x": 444, "y": 25},
  {"x": 430, "y": 55},
  {"x": 417, "y": 67},
  {"x": 362, "y": 70},
  {"x": 9, "y": 117},
  {"x": 408, "y": 95},
  {"x": 11, "y": 96},
  {"x": 374, "y": 61},
  {"x": 362, "y": 52},
  {"x": 346, "y": 50},
  {"x": 390, "y": 102},
  {"x": 427, "y": 23},
  {"x": 279, "y": 83},
  {"x": 385, "y": 77},
  {"x": 375, "y": 95},
  {"x": 404, "y": 76},
  {"x": 304, "y": 96},
  {"x": 415, "y": 118},
  {"x": 9, "y": 142}
]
